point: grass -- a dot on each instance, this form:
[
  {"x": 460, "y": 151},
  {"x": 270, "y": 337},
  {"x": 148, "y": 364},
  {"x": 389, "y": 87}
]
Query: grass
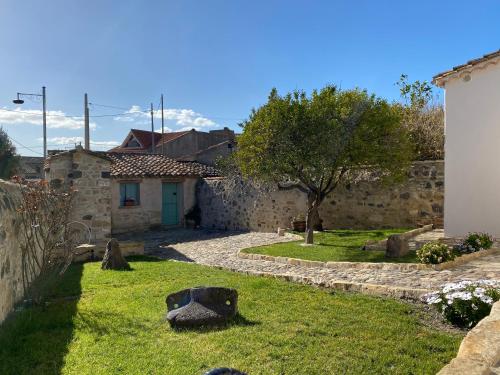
[
  {"x": 111, "y": 322},
  {"x": 336, "y": 246}
]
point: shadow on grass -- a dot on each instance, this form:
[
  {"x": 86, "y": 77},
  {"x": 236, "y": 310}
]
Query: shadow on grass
[
  {"x": 143, "y": 258},
  {"x": 238, "y": 320},
  {"x": 35, "y": 340},
  {"x": 104, "y": 323}
]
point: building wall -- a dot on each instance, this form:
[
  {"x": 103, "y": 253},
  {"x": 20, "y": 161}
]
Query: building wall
[
  {"x": 195, "y": 141},
  {"x": 472, "y": 153},
  {"x": 210, "y": 155},
  {"x": 11, "y": 281},
  {"x": 148, "y": 213},
  {"x": 31, "y": 167},
  {"x": 367, "y": 204},
  {"x": 89, "y": 175}
]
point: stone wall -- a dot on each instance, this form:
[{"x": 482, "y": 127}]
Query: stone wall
[
  {"x": 89, "y": 174},
  {"x": 367, "y": 204},
  {"x": 11, "y": 281}
]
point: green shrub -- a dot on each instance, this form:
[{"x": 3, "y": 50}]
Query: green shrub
[
  {"x": 465, "y": 303},
  {"x": 475, "y": 242},
  {"x": 435, "y": 253}
]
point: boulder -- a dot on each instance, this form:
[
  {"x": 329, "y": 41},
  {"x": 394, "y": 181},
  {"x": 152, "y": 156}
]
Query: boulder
[
  {"x": 224, "y": 371},
  {"x": 397, "y": 246},
  {"x": 202, "y": 306},
  {"x": 113, "y": 258}
]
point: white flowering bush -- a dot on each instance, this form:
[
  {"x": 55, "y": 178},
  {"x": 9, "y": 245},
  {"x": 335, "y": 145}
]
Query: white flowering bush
[
  {"x": 465, "y": 303},
  {"x": 475, "y": 242},
  {"x": 435, "y": 253}
]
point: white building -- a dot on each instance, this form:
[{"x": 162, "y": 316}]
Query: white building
[{"x": 472, "y": 146}]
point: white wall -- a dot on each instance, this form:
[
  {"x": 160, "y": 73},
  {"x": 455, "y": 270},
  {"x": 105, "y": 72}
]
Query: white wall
[{"x": 472, "y": 153}]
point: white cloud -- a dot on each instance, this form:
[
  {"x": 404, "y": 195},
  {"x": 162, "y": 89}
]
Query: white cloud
[
  {"x": 185, "y": 118},
  {"x": 69, "y": 141},
  {"x": 55, "y": 119}
]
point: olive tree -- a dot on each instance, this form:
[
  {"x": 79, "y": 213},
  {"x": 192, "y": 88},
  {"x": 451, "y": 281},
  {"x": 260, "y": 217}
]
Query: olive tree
[
  {"x": 9, "y": 160},
  {"x": 320, "y": 141}
]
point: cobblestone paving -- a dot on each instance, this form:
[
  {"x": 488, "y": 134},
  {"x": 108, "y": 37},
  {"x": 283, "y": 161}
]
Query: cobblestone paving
[{"x": 220, "y": 249}]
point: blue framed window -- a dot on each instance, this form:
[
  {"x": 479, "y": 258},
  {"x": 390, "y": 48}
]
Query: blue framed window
[{"x": 129, "y": 194}]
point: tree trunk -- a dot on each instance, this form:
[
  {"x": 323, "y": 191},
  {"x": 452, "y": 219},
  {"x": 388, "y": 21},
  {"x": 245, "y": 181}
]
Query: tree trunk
[
  {"x": 312, "y": 212},
  {"x": 317, "y": 223}
]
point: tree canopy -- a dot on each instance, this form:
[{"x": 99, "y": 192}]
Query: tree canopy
[
  {"x": 9, "y": 160},
  {"x": 423, "y": 117},
  {"x": 321, "y": 140}
]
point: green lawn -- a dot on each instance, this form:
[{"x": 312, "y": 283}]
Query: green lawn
[
  {"x": 336, "y": 246},
  {"x": 109, "y": 322}
]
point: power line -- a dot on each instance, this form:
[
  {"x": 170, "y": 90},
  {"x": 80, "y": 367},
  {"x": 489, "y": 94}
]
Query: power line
[
  {"x": 23, "y": 146},
  {"x": 128, "y": 113}
]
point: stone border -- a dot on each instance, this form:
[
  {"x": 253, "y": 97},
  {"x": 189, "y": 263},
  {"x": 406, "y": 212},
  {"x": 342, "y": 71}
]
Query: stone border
[
  {"x": 369, "y": 265},
  {"x": 413, "y": 294},
  {"x": 464, "y": 259},
  {"x": 479, "y": 352}
]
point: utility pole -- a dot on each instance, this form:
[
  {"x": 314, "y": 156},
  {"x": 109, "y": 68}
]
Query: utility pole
[
  {"x": 86, "y": 121},
  {"x": 152, "y": 131},
  {"x": 44, "y": 105},
  {"x": 162, "y": 125}
]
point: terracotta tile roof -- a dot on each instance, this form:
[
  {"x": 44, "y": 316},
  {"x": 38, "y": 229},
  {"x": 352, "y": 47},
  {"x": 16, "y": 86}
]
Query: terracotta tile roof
[
  {"x": 439, "y": 79},
  {"x": 147, "y": 165},
  {"x": 144, "y": 138}
]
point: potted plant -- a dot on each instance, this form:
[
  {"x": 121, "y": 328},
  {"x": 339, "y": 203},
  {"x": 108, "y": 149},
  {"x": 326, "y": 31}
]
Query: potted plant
[
  {"x": 193, "y": 217},
  {"x": 299, "y": 223},
  {"x": 129, "y": 202}
]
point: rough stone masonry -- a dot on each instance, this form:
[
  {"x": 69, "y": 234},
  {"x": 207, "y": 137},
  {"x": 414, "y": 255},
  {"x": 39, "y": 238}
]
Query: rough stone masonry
[
  {"x": 11, "y": 280},
  {"x": 366, "y": 204}
]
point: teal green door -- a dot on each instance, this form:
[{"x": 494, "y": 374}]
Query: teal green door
[{"x": 169, "y": 210}]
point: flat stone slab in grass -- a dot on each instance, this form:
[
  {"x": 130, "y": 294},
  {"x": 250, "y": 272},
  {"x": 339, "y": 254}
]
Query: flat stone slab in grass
[{"x": 202, "y": 306}]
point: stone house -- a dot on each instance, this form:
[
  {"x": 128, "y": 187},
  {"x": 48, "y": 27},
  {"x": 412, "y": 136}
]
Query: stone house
[
  {"x": 189, "y": 145},
  {"x": 472, "y": 129},
  {"x": 118, "y": 192},
  {"x": 31, "y": 167}
]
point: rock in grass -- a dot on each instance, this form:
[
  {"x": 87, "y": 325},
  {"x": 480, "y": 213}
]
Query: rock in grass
[
  {"x": 224, "y": 371},
  {"x": 397, "y": 246},
  {"x": 113, "y": 258},
  {"x": 201, "y": 306}
]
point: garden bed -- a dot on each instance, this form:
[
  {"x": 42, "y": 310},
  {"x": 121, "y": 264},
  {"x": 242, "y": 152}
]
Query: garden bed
[
  {"x": 329, "y": 246},
  {"x": 335, "y": 246},
  {"x": 115, "y": 324}
]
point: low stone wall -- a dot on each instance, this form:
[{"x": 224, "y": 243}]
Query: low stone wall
[
  {"x": 479, "y": 353},
  {"x": 367, "y": 204},
  {"x": 11, "y": 280}
]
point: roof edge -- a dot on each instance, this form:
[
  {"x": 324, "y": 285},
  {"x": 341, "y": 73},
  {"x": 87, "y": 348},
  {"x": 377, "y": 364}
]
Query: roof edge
[{"x": 482, "y": 62}]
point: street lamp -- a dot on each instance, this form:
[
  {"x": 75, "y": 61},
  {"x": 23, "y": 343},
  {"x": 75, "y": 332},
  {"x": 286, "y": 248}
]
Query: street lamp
[{"x": 20, "y": 101}]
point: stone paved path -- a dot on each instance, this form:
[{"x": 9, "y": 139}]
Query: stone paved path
[{"x": 220, "y": 249}]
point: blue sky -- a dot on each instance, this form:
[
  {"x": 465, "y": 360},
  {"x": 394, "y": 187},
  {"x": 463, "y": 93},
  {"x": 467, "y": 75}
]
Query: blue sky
[{"x": 215, "y": 60}]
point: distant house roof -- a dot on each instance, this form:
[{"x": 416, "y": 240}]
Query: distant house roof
[
  {"x": 481, "y": 62},
  {"x": 146, "y": 165},
  {"x": 144, "y": 139}
]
